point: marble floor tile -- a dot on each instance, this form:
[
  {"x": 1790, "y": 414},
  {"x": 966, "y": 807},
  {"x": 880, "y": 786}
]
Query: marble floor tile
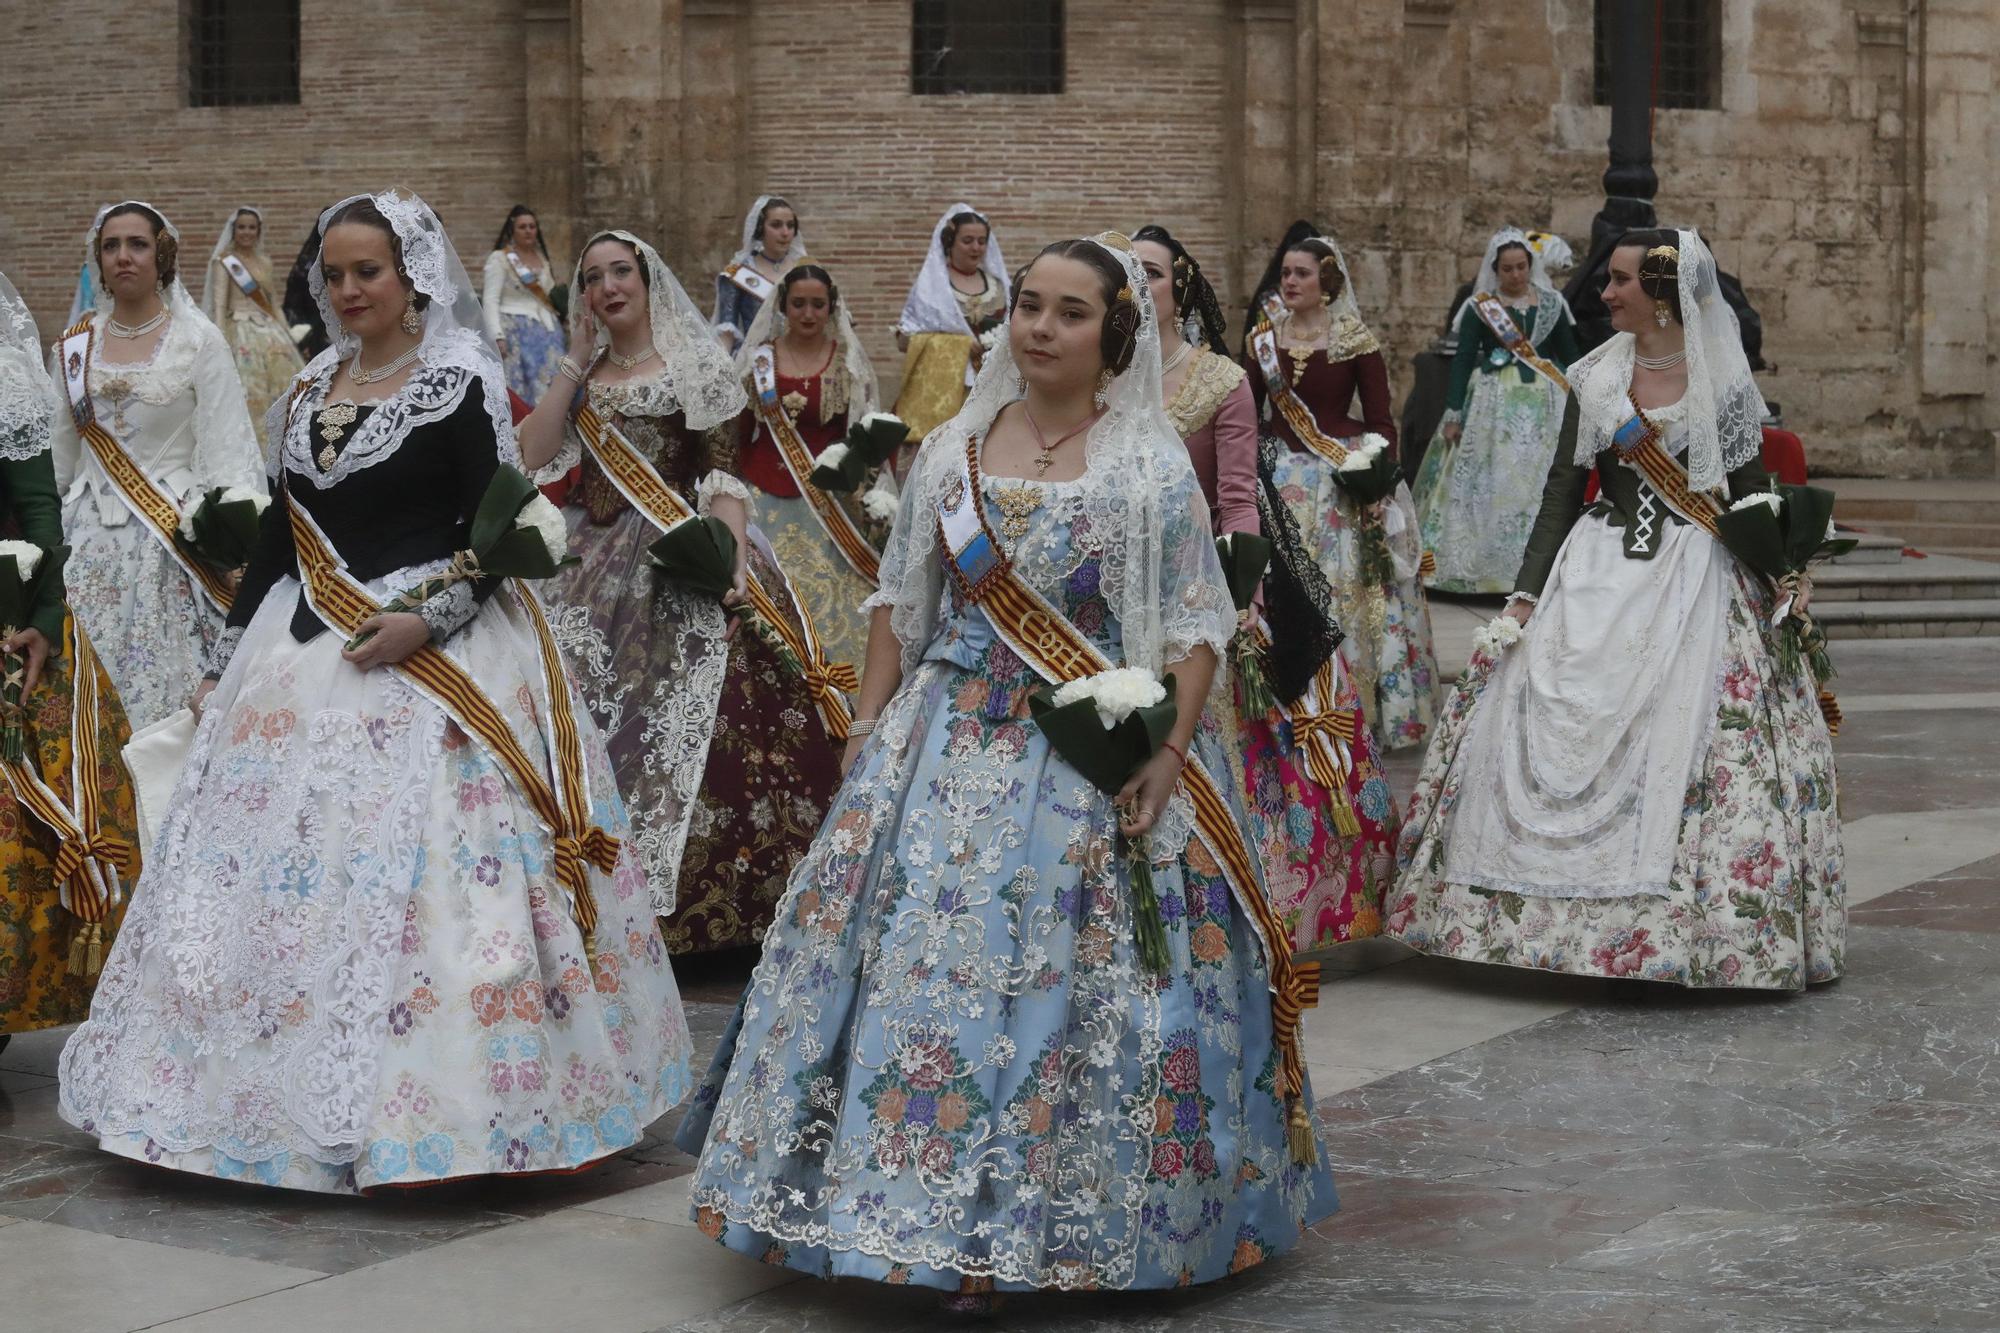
[
  {"x": 1889, "y": 762},
  {"x": 662, "y": 1201},
  {"x": 573, "y": 1269},
  {"x": 35, "y": 1052},
  {"x": 1892, "y": 851},
  {"x": 59, "y": 1278},
  {"x": 1967, "y": 898},
  {"x": 1429, "y": 1007}
]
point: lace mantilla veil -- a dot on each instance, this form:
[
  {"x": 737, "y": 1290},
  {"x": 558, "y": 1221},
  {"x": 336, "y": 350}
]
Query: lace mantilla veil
[
  {"x": 696, "y": 376},
  {"x": 28, "y": 400},
  {"x": 1489, "y": 273},
  {"x": 793, "y": 254},
  {"x": 215, "y": 283},
  {"x": 1348, "y": 335},
  {"x": 932, "y": 306},
  {"x": 1133, "y": 462},
  {"x": 1725, "y": 410},
  {"x": 863, "y": 394},
  {"x": 455, "y": 351}
]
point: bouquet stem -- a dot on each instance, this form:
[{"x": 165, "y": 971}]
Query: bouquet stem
[
  {"x": 410, "y": 599},
  {"x": 1150, "y": 930},
  {"x": 1249, "y": 660},
  {"x": 13, "y": 734}
]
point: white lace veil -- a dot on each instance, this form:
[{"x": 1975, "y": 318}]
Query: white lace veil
[
  {"x": 1137, "y": 479},
  {"x": 431, "y": 263},
  {"x": 932, "y": 306},
  {"x": 27, "y": 395},
  {"x": 1724, "y": 408},
  {"x": 696, "y": 376},
  {"x": 1489, "y": 273},
  {"x": 1347, "y": 335},
  {"x": 863, "y": 394},
  {"x": 792, "y": 255},
  {"x": 187, "y": 324},
  {"x": 215, "y": 282}
]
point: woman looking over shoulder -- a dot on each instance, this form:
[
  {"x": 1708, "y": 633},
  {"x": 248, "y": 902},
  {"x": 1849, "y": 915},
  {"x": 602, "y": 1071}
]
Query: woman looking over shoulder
[{"x": 1637, "y": 787}]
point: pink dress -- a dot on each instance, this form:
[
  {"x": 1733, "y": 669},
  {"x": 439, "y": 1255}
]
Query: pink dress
[{"x": 1326, "y": 886}]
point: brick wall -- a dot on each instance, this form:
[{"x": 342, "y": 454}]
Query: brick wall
[{"x": 388, "y": 96}]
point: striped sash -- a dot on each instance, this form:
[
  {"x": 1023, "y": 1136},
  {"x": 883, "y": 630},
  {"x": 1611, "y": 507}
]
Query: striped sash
[
  {"x": 1297, "y": 415},
  {"x": 1046, "y": 640},
  {"x": 1637, "y": 441},
  {"x": 343, "y": 603},
  {"x": 531, "y": 282},
  {"x": 834, "y": 520},
  {"x": 1501, "y": 324},
  {"x": 246, "y": 282},
  {"x": 153, "y": 505},
  {"x": 646, "y": 491},
  {"x": 89, "y": 860}
]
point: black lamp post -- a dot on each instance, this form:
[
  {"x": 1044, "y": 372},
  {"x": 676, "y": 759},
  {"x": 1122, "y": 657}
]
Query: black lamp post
[{"x": 1630, "y": 181}]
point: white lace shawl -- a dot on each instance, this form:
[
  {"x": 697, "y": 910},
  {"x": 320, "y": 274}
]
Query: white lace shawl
[
  {"x": 696, "y": 376},
  {"x": 429, "y": 260},
  {"x": 932, "y": 306},
  {"x": 1549, "y": 299},
  {"x": 28, "y": 399},
  {"x": 863, "y": 393},
  {"x": 1725, "y": 410},
  {"x": 1138, "y": 501}
]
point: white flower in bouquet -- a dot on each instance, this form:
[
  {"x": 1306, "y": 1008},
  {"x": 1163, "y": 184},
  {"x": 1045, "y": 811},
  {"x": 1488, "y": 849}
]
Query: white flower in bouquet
[
  {"x": 993, "y": 337},
  {"x": 879, "y": 503},
  {"x": 1497, "y": 635},
  {"x": 1117, "y": 693},
  {"x": 1362, "y": 456},
  {"x": 547, "y": 523},
  {"x": 872, "y": 418},
  {"x": 26, "y": 555},
  {"x": 833, "y": 455},
  {"x": 1770, "y": 499},
  {"x": 257, "y": 500}
]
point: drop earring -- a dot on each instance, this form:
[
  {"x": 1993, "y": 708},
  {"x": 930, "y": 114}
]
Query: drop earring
[
  {"x": 1103, "y": 395},
  {"x": 413, "y": 319},
  {"x": 1661, "y": 316}
]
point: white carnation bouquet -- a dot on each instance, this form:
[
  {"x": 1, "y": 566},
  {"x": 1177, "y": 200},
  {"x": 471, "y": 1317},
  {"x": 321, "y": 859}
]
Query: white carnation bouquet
[
  {"x": 221, "y": 529},
  {"x": 870, "y": 442}
]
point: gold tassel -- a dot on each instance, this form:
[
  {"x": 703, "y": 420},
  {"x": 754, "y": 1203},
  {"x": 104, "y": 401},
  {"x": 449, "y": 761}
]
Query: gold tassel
[
  {"x": 1829, "y": 708},
  {"x": 79, "y": 945},
  {"x": 94, "y": 964},
  {"x": 1344, "y": 821},
  {"x": 1299, "y": 1130}
]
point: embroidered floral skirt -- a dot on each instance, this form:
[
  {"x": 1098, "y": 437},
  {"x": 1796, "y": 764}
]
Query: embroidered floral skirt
[
  {"x": 949, "y": 1063},
  {"x": 772, "y": 769},
  {"x": 823, "y": 579},
  {"x": 349, "y": 962},
  {"x": 1326, "y": 887},
  {"x": 533, "y": 350},
  {"x": 1387, "y": 620},
  {"x": 266, "y": 361},
  {"x": 150, "y": 626},
  {"x": 933, "y": 386},
  {"x": 649, "y": 660},
  {"x": 38, "y": 989},
  {"x": 1756, "y": 898},
  {"x": 1476, "y": 500}
]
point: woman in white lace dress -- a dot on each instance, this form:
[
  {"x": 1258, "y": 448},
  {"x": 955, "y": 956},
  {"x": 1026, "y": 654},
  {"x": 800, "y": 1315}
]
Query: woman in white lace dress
[
  {"x": 389, "y": 934},
  {"x": 162, "y": 382}
]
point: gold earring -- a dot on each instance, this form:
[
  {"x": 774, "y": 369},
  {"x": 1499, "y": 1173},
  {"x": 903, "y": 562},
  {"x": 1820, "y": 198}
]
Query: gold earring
[
  {"x": 1104, "y": 379},
  {"x": 413, "y": 319},
  {"x": 1662, "y": 314}
]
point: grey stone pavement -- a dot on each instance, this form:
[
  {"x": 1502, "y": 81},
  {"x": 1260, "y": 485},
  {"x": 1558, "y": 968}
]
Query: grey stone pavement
[{"x": 1514, "y": 1151}]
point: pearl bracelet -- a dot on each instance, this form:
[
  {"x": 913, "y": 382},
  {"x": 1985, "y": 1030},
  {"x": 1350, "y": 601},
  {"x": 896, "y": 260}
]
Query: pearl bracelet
[{"x": 861, "y": 726}]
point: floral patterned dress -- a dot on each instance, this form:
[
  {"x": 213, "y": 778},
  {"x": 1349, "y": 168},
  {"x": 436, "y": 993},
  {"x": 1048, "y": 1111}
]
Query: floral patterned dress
[
  {"x": 266, "y": 358},
  {"x": 948, "y": 1064},
  {"x": 717, "y": 747},
  {"x": 1752, "y": 891}
]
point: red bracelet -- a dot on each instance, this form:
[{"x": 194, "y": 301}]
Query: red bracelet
[{"x": 1177, "y": 750}]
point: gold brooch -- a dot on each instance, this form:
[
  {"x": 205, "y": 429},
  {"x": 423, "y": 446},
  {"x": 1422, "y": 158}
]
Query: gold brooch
[
  {"x": 1016, "y": 503},
  {"x": 1669, "y": 253}
]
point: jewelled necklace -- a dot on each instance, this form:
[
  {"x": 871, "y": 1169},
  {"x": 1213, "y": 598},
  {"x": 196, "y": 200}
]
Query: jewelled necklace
[
  {"x": 118, "y": 330},
  {"x": 1175, "y": 361},
  {"x": 631, "y": 362},
  {"x": 1661, "y": 362},
  {"x": 359, "y": 376},
  {"x": 1048, "y": 451}
]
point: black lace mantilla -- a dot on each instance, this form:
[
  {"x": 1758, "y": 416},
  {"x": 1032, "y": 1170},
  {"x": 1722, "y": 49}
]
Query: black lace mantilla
[{"x": 1298, "y": 601}]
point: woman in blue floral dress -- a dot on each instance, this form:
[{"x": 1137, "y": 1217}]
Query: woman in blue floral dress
[{"x": 950, "y": 1067}]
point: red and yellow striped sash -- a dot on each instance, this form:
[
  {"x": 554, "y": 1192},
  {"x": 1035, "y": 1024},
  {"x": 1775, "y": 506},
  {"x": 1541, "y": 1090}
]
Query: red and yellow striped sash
[
  {"x": 834, "y": 520},
  {"x": 1305, "y": 427},
  {"x": 1501, "y": 324},
  {"x": 1670, "y": 480},
  {"x": 526, "y": 277},
  {"x": 1046, "y": 640},
  {"x": 89, "y": 860},
  {"x": 646, "y": 491},
  {"x": 563, "y": 809},
  {"x": 153, "y": 506}
]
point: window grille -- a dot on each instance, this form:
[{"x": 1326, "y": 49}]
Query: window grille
[
  {"x": 1689, "y": 33},
  {"x": 979, "y": 46},
  {"x": 243, "y": 52}
]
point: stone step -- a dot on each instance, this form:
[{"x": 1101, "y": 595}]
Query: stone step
[
  {"x": 1931, "y": 534},
  {"x": 1874, "y": 549},
  {"x": 1929, "y": 618},
  {"x": 1935, "y": 578},
  {"x": 1942, "y": 508}
]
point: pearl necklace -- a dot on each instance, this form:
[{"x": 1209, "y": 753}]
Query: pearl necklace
[
  {"x": 1174, "y": 362},
  {"x": 630, "y": 362},
  {"x": 118, "y": 330},
  {"x": 359, "y": 376},
  {"x": 1661, "y": 362}
]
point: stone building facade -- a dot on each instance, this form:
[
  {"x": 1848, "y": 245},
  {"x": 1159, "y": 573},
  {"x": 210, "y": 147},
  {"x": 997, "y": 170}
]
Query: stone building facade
[{"x": 1847, "y": 175}]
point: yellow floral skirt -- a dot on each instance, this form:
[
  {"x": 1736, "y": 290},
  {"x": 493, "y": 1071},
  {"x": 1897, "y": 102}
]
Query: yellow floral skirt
[
  {"x": 933, "y": 381},
  {"x": 37, "y": 987}
]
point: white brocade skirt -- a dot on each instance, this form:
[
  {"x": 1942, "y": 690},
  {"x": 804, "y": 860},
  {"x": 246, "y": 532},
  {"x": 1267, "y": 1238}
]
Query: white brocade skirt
[
  {"x": 147, "y": 621},
  {"x": 348, "y": 962},
  {"x": 1578, "y": 761}
]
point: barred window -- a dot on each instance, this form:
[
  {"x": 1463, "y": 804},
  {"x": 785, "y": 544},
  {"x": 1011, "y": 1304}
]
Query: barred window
[
  {"x": 1689, "y": 35},
  {"x": 978, "y": 46},
  {"x": 243, "y": 52}
]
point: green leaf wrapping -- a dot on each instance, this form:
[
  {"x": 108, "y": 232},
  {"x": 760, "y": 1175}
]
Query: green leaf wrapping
[
  {"x": 225, "y": 533},
  {"x": 699, "y": 554},
  {"x": 506, "y": 495},
  {"x": 1107, "y": 758},
  {"x": 1245, "y": 556},
  {"x": 1755, "y": 536},
  {"x": 1376, "y": 482}
]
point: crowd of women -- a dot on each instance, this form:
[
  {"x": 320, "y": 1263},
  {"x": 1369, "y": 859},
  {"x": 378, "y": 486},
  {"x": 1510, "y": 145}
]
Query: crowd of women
[{"x": 402, "y": 907}]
